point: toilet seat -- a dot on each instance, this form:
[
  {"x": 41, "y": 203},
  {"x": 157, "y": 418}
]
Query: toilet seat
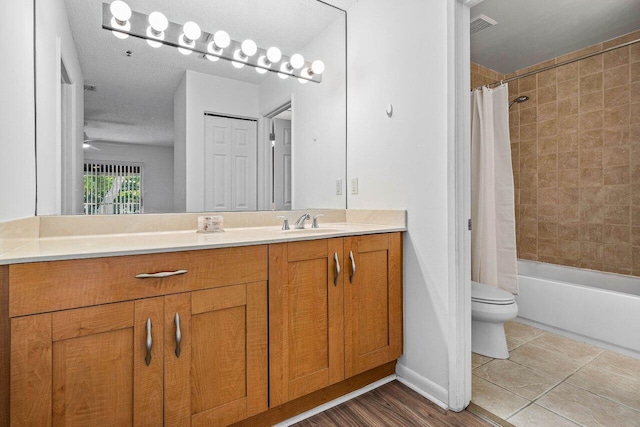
[{"x": 485, "y": 294}]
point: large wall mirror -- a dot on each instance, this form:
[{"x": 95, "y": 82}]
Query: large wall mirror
[{"x": 125, "y": 127}]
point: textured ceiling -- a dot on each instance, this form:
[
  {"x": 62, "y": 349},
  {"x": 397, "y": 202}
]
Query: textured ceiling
[
  {"x": 134, "y": 98},
  {"x": 533, "y": 31}
]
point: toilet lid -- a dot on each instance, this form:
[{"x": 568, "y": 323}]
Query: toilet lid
[{"x": 490, "y": 295}]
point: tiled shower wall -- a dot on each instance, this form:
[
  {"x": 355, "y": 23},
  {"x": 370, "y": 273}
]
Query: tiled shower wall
[{"x": 576, "y": 160}]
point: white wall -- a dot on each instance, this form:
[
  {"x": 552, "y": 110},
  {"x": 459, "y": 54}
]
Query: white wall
[
  {"x": 319, "y": 110},
  {"x": 158, "y": 170},
  {"x": 17, "y": 133},
  {"x": 211, "y": 94},
  {"x": 398, "y": 54},
  {"x": 54, "y": 42}
]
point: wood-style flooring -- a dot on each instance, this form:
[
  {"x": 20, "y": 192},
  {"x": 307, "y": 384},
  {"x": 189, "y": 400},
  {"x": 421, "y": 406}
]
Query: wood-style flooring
[{"x": 392, "y": 404}]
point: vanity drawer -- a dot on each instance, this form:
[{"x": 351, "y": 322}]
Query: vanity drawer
[{"x": 59, "y": 285}]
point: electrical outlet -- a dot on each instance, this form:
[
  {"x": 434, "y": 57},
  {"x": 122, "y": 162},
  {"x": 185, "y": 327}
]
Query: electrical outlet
[
  {"x": 354, "y": 185},
  {"x": 339, "y": 187}
]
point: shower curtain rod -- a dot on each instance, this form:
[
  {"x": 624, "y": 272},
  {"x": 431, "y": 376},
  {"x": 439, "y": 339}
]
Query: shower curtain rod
[{"x": 551, "y": 67}]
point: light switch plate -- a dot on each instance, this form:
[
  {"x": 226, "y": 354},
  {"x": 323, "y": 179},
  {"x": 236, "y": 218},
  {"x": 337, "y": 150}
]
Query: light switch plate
[
  {"x": 338, "y": 187},
  {"x": 354, "y": 185}
]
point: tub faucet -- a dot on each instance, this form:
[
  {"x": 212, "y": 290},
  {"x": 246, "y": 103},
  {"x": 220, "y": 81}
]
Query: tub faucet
[{"x": 300, "y": 222}]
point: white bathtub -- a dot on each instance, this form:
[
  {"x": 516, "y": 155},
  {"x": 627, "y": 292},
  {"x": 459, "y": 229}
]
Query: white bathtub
[{"x": 603, "y": 308}]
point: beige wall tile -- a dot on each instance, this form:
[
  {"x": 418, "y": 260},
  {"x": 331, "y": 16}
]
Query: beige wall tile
[
  {"x": 528, "y": 115},
  {"x": 616, "y": 116},
  {"x": 634, "y": 52},
  {"x": 568, "y": 213},
  {"x": 548, "y": 145},
  {"x": 616, "y": 175},
  {"x": 567, "y": 142},
  {"x": 548, "y": 111},
  {"x": 591, "y": 214},
  {"x": 616, "y": 57},
  {"x": 547, "y": 179},
  {"x": 616, "y": 234},
  {"x": 528, "y": 132},
  {"x": 616, "y": 156},
  {"x": 592, "y": 196},
  {"x": 527, "y": 83},
  {"x": 616, "y": 96},
  {"x": 568, "y": 160},
  {"x": 548, "y": 128},
  {"x": 591, "y": 102},
  {"x": 590, "y": 65},
  {"x": 591, "y": 252},
  {"x": 547, "y": 196},
  {"x": 547, "y": 78},
  {"x": 591, "y": 177},
  {"x": 568, "y": 178},
  {"x": 567, "y": 107},
  {"x": 547, "y": 248},
  {"x": 568, "y": 231},
  {"x": 617, "y": 215},
  {"x": 591, "y": 139},
  {"x": 569, "y": 249},
  {"x": 566, "y": 72},
  {"x": 591, "y": 233},
  {"x": 617, "y": 194},
  {"x": 547, "y": 213},
  {"x": 618, "y": 256},
  {"x": 635, "y": 72},
  {"x": 590, "y": 121},
  {"x": 617, "y": 76},
  {"x": 568, "y": 124},
  {"x": 568, "y": 89},
  {"x": 616, "y": 136},
  {"x": 569, "y": 196},
  {"x": 592, "y": 83},
  {"x": 591, "y": 158},
  {"x": 547, "y": 94}
]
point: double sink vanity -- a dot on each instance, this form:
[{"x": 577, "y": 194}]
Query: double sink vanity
[{"x": 142, "y": 321}]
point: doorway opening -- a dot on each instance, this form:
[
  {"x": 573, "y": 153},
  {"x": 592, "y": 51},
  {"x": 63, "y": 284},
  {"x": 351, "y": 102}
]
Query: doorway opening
[{"x": 280, "y": 125}]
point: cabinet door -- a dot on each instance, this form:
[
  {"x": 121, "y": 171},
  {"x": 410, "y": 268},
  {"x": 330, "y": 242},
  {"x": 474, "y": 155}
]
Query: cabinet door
[
  {"x": 87, "y": 366},
  {"x": 219, "y": 374},
  {"x": 305, "y": 318},
  {"x": 372, "y": 301}
]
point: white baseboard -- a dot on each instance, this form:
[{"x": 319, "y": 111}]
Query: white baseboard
[
  {"x": 423, "y": 386},
  {"x": 310, "y": 413}
]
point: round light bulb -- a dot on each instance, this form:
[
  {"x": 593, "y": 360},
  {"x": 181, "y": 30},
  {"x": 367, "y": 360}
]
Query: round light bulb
[
  {"x": 239, "y": 59},
  {"x": 158, "y": 22},
  {"x": 249, "y": 47},
  {"x": 183, "y": 42},
  {"x": 263, "y": 62},
  {"x": 212, "y": 48},
  {"x": 317, "y": 67},
  {"x": 284, "y": 71},
  {"x": 297, "y": 61},
  {"x": 274, "y": 55},
  {"x": 152, "y": 35},
  {"x": 221, "y": 39},
  {"x": 192, "y": 30},
  {"x": 125, "y": 27},
  {"x": 304, "y": 73},
  {"x": 120, "y": 10}
]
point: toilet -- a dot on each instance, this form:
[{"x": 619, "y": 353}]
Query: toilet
[{"x": 490, "y": 308}]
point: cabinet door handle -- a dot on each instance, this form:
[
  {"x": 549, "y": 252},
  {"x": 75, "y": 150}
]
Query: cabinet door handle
[
  {"x": 178, "y": 334},
  {"x": 335, "y": 256},
  {"x": 161, "y": 274},
  {"x": 149, "y": 343},
  {"x": 353, "y": 267}
]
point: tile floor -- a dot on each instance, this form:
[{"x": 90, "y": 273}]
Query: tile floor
[{"x": 550, "y": 380}]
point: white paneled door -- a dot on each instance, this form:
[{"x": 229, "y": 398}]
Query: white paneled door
[
  {"x": 230, "y": 147},
  {"x": 282, "y": 165}
]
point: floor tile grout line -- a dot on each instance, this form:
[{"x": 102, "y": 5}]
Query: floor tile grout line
[{"x": 604, "y": 397}]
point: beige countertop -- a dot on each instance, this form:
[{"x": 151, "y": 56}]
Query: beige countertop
[{"x": 26, "y": 247}]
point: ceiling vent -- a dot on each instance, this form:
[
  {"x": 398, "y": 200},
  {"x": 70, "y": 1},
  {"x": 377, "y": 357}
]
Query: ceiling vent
[
  {"x": 481, "y": 22},
  {"x": 90, "y": 88}
]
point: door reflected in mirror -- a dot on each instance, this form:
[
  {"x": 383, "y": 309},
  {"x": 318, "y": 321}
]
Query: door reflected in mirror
[{"x": 198, "y": 130}]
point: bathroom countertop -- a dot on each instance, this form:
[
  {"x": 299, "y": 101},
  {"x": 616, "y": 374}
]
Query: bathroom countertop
[{"x": 106, "y": 245}]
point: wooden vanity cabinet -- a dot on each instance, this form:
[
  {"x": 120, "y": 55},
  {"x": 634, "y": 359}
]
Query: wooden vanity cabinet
[
  {"x": 327, "y": 326},
  {"x": 90, "y": 365}
]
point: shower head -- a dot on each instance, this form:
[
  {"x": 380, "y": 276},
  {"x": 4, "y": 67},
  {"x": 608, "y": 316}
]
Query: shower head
[{"x": 519, "y": 100}]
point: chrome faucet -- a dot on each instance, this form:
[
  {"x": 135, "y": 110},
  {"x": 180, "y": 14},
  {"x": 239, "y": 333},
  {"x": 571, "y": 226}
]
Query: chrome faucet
[
  {"x": 285, "y": 222},
  {"x": 314, "y": 224},
  {"x": 300, "y": 222}
]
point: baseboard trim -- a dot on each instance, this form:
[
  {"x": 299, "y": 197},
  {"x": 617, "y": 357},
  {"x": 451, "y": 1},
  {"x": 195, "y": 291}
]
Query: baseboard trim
[
  {"x": 423, "y": 386},
  {"x": 315, "y": 411}
]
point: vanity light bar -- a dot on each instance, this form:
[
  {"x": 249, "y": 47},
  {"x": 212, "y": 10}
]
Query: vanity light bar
[{"x": 137, "y": 25}]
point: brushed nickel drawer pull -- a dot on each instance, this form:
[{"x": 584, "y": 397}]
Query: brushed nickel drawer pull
[
  {"x": 353, "y": 267},
  {"x": 161, "y": 274},
  {"x": 149, "y": 343},
  {"x": 335, "y": 256},
  {"x": 178, "y": 334}
]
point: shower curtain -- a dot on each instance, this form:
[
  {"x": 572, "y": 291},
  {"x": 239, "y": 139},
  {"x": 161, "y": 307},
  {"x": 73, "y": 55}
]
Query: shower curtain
[{"x": 493, "y": 234}]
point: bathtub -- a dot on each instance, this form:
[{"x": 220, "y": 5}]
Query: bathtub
[{"x": 601, "y": 308}]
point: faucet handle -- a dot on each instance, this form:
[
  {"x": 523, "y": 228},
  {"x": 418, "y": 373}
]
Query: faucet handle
[
  {"x": 315, "y": 221},
  {"x": 285, "y": 222}
]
